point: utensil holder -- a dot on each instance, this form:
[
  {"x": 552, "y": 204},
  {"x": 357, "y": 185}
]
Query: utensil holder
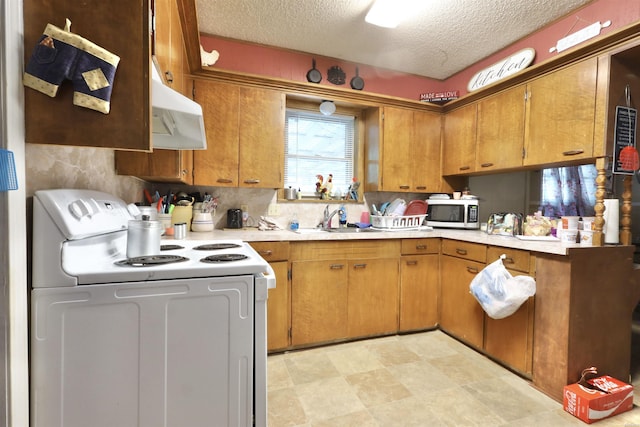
[{"x": 8, "y": 178}]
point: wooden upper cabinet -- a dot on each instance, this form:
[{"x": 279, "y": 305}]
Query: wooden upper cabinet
[
  {"x": 500, "y": 131},
  {"x": 561, "y": 115},
  {"x": 410, "y": 156},
  {"x": 163, "y": 165},
  {"x": 245, "y": 136},
  {"x": 169, "y": 45},
  {"x": 122, "y": 28},
  {"x": 397, "y": 141},
  {"x": 218, "y": 164},
  {"x": 261, "y": 136},
  {"x": 459, "y": 141}
]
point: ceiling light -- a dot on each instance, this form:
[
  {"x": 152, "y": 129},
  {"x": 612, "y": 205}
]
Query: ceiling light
[
  {"x": 387, "y": 13},
  {"x": 327, "y": 108}
]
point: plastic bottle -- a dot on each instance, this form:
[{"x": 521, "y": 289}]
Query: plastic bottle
[
  {"x": 299, "y": 194},
  {"x": 343, "y": 216},
  {"x": 294, "y": 224}
]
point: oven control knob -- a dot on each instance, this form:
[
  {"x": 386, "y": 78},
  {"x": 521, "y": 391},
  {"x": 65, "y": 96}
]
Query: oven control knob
[{"x": 79, "y": 209}]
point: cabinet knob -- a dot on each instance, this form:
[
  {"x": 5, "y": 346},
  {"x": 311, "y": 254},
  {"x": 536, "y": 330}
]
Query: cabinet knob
[
  {"x": 336, "y": 266},
  {"x": 421, "y": 187},
  {"x": 405, "y": 187},
  {"x": 252, "y": 181},
  {"x": 413, "y": 262},
  {"x": 508, "y": 260},
  {"x": 472, "y": 270},
  {"x": 421, "y": 247},
  {"x": 224, "y": 180},
  {"x": 359, "y": 265},
  {"x": 461, "y": 251},
  {"x": 465, "y": 168},
  {"x": 267, "y": 252},
  {"x": 486, "y": 165}
]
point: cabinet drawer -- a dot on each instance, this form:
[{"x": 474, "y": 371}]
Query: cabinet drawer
[
  {"x": 466, "y": 250},
  {"x": 516, "y": 259},
  {"x": 272, "y": 251},
  {"x": 420, "y": 246},
  {"x": 347, "y": 249}
]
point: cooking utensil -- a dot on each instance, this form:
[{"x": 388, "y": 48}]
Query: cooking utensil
[
  {"x": 143, "y": 237},
  {"x": 314, "y": 75},
  {"x": 290, "y": 193},
  {"x": 357, "y": 82}
]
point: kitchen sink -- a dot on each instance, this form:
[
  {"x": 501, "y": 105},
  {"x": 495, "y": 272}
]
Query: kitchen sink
[
  {"x": 352, "y": 230},
  {"x": 335, "y": 230}
]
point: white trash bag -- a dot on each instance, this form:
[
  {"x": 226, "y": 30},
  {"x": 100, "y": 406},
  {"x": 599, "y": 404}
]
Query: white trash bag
[{"x": 499, "y": 293}]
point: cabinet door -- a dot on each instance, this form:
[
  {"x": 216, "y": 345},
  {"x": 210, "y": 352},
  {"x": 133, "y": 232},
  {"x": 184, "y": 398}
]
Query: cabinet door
[
  {"x": 278, "y": 309},
  {"x": 510, "y": 340},
  {"x": 500, "y": 138},
  {"x": 460, "y": 314},
  {"x": 218, "y": 164},
  {"x": 397, "y": 173},
  {"x": 159, "y": 166},
  {"x": 318, "y": 301},
  {"x": 561, "y": 114},
  {"x": 425, "y": 152},
  {"x": 373, "y": 297},
  {"x": 459, "y": 141},
  {"x": 261, "y": 136},
  {"x": 419, "y": 289}
]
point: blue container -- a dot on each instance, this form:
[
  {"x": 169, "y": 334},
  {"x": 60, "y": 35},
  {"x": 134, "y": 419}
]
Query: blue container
[{"x": 8, "y": 178}]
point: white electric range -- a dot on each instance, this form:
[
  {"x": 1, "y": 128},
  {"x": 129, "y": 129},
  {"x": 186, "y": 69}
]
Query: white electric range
[{"x": 173, "y": 339}]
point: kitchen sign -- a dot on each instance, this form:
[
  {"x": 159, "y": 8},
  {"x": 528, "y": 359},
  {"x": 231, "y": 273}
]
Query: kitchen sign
[
  {"x": 446, "y": 95},
  {"x": 502, "y": 69}
]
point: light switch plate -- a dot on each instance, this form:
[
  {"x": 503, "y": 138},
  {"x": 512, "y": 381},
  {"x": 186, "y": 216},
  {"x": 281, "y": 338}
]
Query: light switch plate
[{"x": 273, "y": 210}]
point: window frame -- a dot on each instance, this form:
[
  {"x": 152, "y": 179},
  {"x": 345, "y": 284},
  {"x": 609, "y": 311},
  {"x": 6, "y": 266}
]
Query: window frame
[{"x": 358, "y": 145}]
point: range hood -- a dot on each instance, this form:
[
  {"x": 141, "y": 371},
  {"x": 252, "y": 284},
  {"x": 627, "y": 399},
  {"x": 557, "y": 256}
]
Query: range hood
[{"x": 176, "y": 121}]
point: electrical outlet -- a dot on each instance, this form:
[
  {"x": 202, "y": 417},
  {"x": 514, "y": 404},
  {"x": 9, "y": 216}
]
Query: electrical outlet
[
  {"x": 244, "y": 208},
  {"x": 273, "y": 210}
]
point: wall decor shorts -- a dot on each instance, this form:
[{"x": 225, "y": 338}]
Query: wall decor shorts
[{"x": 61, "y": 55}]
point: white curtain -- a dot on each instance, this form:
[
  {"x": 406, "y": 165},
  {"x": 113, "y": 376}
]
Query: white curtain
[{"x": 569, "y": 191}]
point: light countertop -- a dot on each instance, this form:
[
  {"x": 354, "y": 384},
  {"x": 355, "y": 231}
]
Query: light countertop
[{"x": 474, "y": 236}]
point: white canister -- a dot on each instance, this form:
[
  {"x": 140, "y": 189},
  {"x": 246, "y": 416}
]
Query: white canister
[{"x": 143, "y": 237}]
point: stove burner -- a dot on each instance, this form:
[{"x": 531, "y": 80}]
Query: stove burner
[
  {"x": 224, "y": 258},
  {"x": 170, "y": 247},
  {"x": 151, "y": 260},
  {"x": 215, "y": 246}
]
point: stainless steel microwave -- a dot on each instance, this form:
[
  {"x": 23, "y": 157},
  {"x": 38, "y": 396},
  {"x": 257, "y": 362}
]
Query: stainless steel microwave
[{"x": 451, "y": 213}]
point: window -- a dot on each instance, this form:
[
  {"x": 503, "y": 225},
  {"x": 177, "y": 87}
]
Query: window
[
  {"x": 316, "y": 144},
  {"x": 569, "y": 191}
]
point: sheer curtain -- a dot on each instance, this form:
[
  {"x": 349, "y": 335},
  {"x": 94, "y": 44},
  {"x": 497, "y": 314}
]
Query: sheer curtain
[{"x": 569, "y": 191}]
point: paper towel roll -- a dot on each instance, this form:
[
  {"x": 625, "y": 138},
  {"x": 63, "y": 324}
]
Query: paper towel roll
[{"x": 611, "y": 221}]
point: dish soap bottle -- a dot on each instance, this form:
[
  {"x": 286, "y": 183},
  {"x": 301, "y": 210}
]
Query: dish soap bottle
[
  {"x": 294, "y": 224},
  {"x": 343, "y": 216}
]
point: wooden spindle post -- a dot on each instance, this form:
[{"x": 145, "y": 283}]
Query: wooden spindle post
[
  {"x": 601, "y": 179},
  {"x": 625, "y": 217}
]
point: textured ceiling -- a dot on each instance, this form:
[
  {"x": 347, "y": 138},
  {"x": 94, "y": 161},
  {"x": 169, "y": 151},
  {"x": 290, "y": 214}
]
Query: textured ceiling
[{"x": 440, "y": 38}]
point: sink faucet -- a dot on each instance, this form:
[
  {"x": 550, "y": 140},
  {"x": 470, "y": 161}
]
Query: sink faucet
[{"x": 326, "y": 221}]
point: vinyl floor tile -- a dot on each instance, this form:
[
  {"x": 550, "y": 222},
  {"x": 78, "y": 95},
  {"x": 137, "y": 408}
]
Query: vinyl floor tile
[{"x": 424, "y": 379}]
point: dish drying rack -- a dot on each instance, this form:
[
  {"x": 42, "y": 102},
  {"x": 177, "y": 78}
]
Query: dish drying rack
[
  {"x": 407, "y": 222},
  {"x": 8, "y": 178}
]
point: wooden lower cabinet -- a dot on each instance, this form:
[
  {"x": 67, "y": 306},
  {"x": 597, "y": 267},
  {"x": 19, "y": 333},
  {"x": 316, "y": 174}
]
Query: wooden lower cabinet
[
  {"x": 510, "y": 340},
  {"x": 460, "y": 313},
  {"x": 343, "y": 290},
  {"x": 419, "y": 284},
  {"x": 279, "y": 301},
  {"x": 373, "y": 297},
  {"x": 318, "y": 301}
]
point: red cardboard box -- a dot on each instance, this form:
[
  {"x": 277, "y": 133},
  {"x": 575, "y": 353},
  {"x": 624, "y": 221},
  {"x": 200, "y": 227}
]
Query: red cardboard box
[{"x": 594, "y": 405}]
